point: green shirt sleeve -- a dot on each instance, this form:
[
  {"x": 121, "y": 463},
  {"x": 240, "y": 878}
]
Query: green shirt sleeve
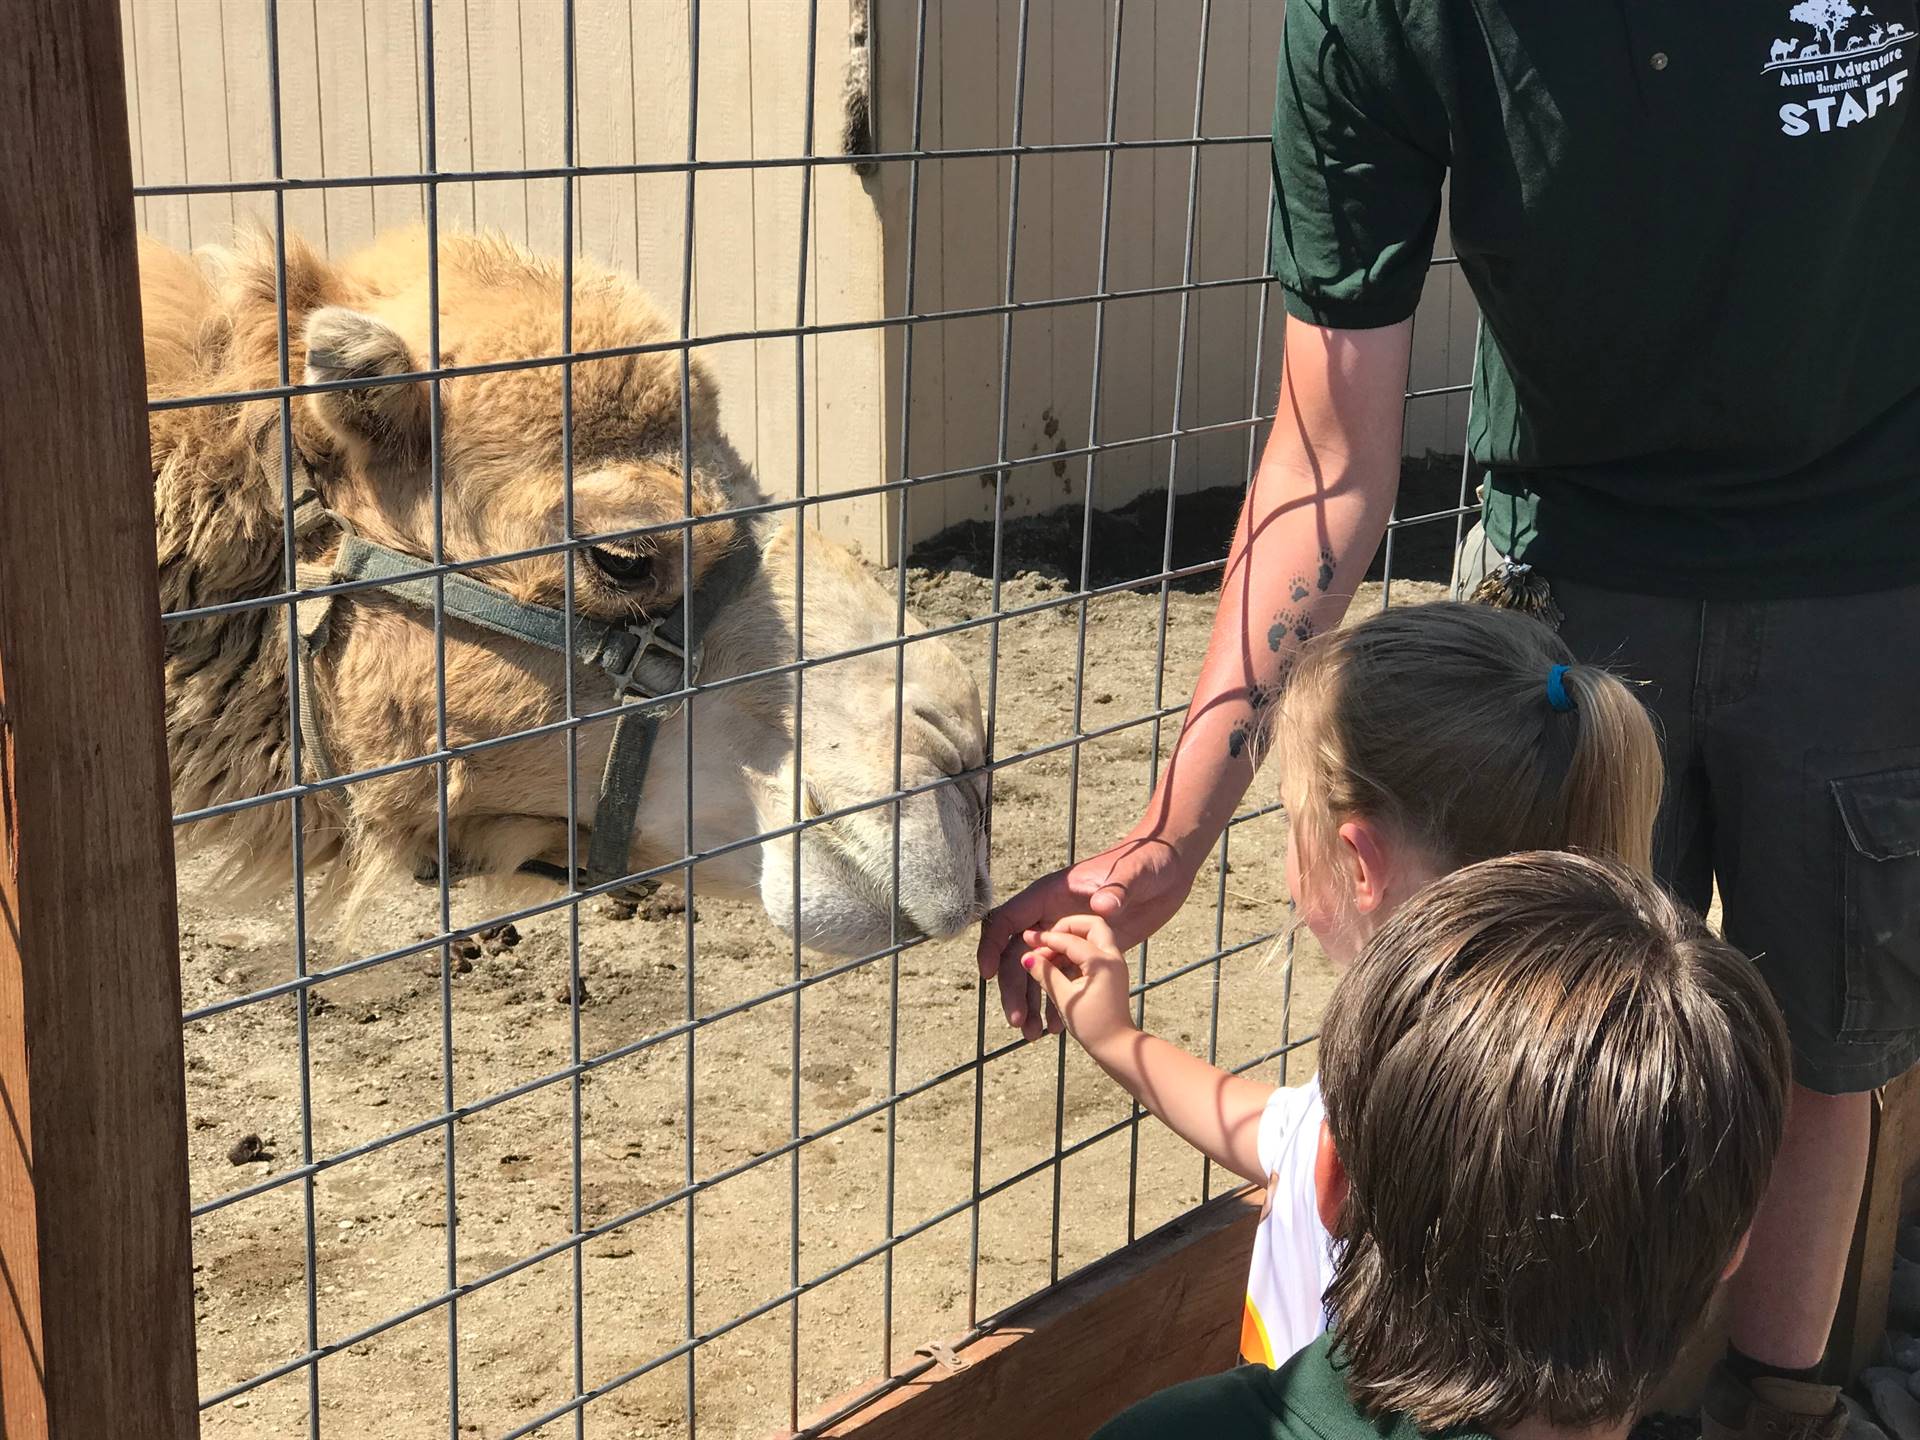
[
  {"x": 1228, "y": 1406},
  {"x": 1359, "y": 157}
]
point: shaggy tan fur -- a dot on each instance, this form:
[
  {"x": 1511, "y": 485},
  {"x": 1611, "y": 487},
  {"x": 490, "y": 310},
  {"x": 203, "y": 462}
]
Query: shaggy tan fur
[
  {"x": 212, "y": 327},
  {"x": 856, "y": 135},
  {"x": 220, "y": 479}
]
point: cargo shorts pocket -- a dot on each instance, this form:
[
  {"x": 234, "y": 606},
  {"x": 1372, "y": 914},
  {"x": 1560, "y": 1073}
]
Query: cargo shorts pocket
[{"x": 1880, "y": 896}]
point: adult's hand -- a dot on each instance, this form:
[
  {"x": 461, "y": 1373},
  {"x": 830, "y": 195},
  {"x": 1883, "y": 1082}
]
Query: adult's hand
[
  {"x": 1135, "y": 886},
  {"x": 1313, "y": 518}
]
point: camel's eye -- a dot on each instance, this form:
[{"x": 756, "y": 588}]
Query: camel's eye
[{"x": 630, "y": 569}]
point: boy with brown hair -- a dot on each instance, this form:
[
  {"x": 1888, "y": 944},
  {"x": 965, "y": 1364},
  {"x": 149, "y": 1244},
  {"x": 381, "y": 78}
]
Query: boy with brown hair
[{"x": 1553, "y": 1103}]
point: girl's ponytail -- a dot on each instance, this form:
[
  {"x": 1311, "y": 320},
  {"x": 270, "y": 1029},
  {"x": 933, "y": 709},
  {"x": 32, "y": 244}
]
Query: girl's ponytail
[
  {"x": 1613, "y": 739},
  {"x": 1471, "y": 731}
]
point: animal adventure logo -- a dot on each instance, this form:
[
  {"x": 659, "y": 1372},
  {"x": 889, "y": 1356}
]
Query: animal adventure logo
[{"x": 1850, "y": 71}]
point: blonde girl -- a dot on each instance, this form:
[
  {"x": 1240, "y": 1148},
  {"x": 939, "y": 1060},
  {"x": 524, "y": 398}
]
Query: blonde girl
[{"x": 1414, "y": 743}]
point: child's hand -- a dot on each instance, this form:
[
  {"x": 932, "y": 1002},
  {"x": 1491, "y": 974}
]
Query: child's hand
[{"x": 1080, "y": 967}]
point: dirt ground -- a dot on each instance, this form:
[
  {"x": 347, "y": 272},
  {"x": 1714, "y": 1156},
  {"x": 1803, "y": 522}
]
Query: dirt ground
[{"x": 381, "y": 1239}]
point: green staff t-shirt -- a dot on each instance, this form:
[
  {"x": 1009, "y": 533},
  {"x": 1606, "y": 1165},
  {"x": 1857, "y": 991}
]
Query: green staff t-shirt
[
  {"x": 1305, "y": 1399},
  {"x": 1694, "y": 233}
]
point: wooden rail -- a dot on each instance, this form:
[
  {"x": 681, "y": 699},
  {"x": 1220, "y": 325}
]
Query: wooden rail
[{"x": 1161, "y": 1311}]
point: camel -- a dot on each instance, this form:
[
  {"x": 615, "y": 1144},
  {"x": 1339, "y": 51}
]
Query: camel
[
  {"x": 219, "y": 486},
  {"x": 1782, "y": 50}
]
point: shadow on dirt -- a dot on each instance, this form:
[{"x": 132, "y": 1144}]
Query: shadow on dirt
[{"x": 1130, "y": 542}]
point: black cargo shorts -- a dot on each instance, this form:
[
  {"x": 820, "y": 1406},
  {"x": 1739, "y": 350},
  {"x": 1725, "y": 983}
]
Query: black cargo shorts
[{"x": 1792, "y": 736}]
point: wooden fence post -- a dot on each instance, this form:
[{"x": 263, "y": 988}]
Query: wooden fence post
[
  {"x": 96, "y": 1305},
  {"x": 1862, "y": 1317}
]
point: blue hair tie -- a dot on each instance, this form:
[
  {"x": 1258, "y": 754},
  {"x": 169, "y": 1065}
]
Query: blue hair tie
[{"x": 1557, "y": 695}]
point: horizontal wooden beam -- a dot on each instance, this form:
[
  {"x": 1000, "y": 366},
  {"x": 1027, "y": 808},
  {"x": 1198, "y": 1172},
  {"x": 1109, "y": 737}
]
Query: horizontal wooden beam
[{"x": 1161, "y": 1311}]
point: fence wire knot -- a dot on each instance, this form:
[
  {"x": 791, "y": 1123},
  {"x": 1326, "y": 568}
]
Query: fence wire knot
[{"x": 943, "y": 1355}]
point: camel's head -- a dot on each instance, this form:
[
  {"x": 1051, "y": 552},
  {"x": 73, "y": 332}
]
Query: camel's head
[{"x": 500, "y": 448}]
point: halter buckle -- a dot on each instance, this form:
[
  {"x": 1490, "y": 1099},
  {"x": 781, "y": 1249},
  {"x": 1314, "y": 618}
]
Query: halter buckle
[{"x": 648, "y": 640}]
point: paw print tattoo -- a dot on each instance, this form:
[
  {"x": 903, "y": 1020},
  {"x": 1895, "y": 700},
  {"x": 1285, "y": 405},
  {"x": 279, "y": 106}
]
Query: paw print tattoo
[
  {"x": 1325, "y": 578},
  {"x": 1297, "y": 589},
  {"x": 1261, "y": 699},
  {"x": 1290, "y": 624}
]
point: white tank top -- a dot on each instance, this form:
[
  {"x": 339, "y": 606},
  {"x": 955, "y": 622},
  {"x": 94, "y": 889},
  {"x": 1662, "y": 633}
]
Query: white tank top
[{"x": 1292, "y": 1252}]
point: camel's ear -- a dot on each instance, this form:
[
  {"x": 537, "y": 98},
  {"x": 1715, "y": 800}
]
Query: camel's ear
[{"x": 389, "y": 419}]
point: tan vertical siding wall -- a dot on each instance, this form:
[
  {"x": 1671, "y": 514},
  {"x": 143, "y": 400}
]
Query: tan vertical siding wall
[
  {"x": 352, "y": 103},
  {"x": 352, "y": 91},
  {"x": 961, "y": 261}
]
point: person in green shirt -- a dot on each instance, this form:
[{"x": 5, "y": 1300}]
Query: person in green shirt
[
  {"x": 1694, "y": 234},
  {"x": 1553, "y": 1102}
]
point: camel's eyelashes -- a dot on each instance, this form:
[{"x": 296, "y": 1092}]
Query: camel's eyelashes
[{"x": 628, "y": 569}]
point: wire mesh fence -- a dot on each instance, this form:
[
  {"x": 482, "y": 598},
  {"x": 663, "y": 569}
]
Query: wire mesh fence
[{"x": 464, "y": 553}]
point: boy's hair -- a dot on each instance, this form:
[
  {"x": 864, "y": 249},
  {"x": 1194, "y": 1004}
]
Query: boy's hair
[
  {"x": 1435, "y": 720},
  {"x": 1557, "y": 1098}
]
